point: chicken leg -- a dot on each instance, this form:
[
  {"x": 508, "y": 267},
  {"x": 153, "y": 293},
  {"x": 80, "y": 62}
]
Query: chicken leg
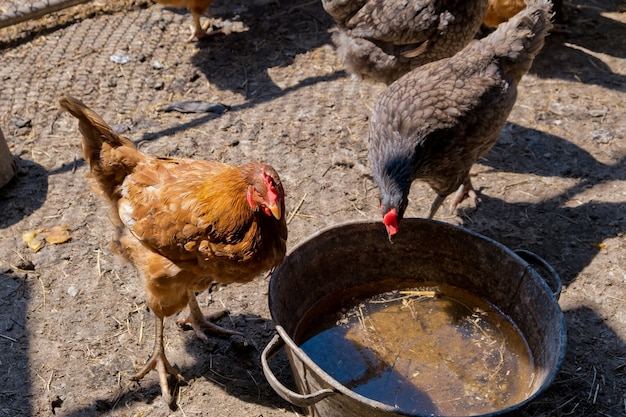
[
  {"x": 159, "y": 361},
  {"x": 200, "y": 31},
  {"x": 197, "y": 31},
  {"x": 464, "y": 189},
  {"x": 199, "y": 323}
]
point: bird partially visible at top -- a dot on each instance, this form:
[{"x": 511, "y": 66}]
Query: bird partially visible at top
[
  {"x": 499, "y": 11},
  {"x": 381, "y": 40},
  {"x": 196, "y": 8},
  {"x": 184, "y": 224},
  {"x": 436, "y": 121}
]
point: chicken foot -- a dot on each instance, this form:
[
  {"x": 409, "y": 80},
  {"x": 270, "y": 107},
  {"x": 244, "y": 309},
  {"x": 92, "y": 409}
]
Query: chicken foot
[
  {"x": 201, "y": 323},
  {"x": 159, "y": 361},
  {"x": 464, "y": 189},
  {"x": 200, "y": 31}
]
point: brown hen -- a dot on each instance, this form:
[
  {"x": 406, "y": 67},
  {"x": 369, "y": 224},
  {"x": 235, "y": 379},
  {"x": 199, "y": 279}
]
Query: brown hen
[
  {"x": 184, "y": 224},
  {"x": 499, "y": 11},
  {"x": 436, "y": 121},
  {"x": 197, "y": 8}
]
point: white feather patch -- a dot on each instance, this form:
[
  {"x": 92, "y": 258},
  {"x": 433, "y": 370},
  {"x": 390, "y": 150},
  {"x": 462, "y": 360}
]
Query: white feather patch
[{"x": 125, "y": 211}]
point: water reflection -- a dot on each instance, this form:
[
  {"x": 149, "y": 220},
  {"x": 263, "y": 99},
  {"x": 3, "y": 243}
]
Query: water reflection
[{"x": 439, "y": 351}]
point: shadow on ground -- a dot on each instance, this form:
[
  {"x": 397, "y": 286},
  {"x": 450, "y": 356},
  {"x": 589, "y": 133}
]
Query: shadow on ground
[
  {"x": 15, "y": 382},
  {"x": 231, "y": 363},
  {"x": 24, "y": 194}
]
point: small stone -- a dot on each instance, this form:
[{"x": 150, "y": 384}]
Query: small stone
[
  {"x": 72, "y": 291},
  {"x": 120, "y": 58},
  {"x": 601, "y": 112},
  {"x": 601, "y": 136},
  {"x": 21, "y": 122},
  {"x": 155, "y": 84}
]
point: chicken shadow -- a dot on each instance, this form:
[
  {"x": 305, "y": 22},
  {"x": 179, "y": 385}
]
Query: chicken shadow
[
  {"x": 568, "y": 234},
  {"x": 276, "y": 33},
  {"x": 201, "y": 120},
  {"x": 16, "y": 385},
  {"x": 586, "y": 364},
  {"x": 235, "y": 362},
  {"x": 232, "y": 363},
  {"x": 523, "y": 150},
  {"x": 574, "y": 56},
  {"x": 591, "y": 30},
  {"x": 24, "y": 194}
]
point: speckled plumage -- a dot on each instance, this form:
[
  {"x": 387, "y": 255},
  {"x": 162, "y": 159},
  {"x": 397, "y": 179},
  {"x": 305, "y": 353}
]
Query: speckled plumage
[
  {"x": 436, "y": 121},
  {"x": 384, "y": 39}
]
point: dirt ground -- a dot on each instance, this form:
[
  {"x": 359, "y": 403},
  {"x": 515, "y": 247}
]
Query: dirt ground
[{"x": 73, "y": 321}]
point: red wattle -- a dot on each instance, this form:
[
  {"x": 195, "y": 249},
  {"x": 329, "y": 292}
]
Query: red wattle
[{"x": 390, "y": 220}]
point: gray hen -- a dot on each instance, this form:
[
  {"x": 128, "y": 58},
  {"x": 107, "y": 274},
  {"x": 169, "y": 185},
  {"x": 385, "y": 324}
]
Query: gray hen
[
  {"x": 436, "y": 121},
  {"x": 384, "y": 39}
]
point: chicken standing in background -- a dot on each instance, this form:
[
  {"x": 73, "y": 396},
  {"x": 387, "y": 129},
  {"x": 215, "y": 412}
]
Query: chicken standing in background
[
  {"x": 197, "y": 8},
  {"x": 384, "y": 39},
  {"x": 435, "y": 122},
  {"x": 499, "y": 11},
  {"x": 184, "y": 224}
]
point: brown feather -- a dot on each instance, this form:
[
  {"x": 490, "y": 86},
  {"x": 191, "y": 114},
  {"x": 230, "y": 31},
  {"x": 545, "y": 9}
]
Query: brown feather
[
  {"x": 197, "y": 8},
  {"x": 184, "y": 223}
]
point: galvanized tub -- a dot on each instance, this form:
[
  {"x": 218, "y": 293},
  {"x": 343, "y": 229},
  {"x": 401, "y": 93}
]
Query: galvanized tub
[{"x": 337, "y": 260}]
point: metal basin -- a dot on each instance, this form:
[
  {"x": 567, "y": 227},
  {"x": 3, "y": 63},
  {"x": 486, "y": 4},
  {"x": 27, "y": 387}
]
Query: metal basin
[{"x": 336, "y": 261}]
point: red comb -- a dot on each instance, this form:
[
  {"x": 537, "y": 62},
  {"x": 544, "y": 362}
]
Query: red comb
[{"x": 272, "y": 192}]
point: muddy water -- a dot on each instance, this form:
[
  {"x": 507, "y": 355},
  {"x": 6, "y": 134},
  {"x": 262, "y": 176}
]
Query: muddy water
[{"x": 433, "y": 350}]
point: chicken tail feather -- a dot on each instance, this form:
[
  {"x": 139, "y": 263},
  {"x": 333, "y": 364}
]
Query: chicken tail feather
[
  {"x": 111, "y": 157},
  {"x": 521, "y": 38}
]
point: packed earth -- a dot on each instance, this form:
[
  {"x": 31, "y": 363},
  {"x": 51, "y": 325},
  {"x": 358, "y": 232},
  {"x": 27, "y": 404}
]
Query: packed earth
[{"x": 74, "y": 325}]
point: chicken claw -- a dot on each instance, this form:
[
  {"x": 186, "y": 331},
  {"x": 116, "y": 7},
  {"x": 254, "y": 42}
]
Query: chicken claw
[
  {"x": 464, "y": 189},
  {"x": 201, "y": 31},
  {"x": 201, "y": 323},
  {"x": 159, "y": 361}
]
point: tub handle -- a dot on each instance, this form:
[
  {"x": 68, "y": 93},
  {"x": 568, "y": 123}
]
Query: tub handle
[
  {"x": 300, "y": 400},
  {"x": 553, "y": 279}
]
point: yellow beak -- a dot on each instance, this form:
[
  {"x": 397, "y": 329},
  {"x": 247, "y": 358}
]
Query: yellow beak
[{"x": 276, "y": 211}]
